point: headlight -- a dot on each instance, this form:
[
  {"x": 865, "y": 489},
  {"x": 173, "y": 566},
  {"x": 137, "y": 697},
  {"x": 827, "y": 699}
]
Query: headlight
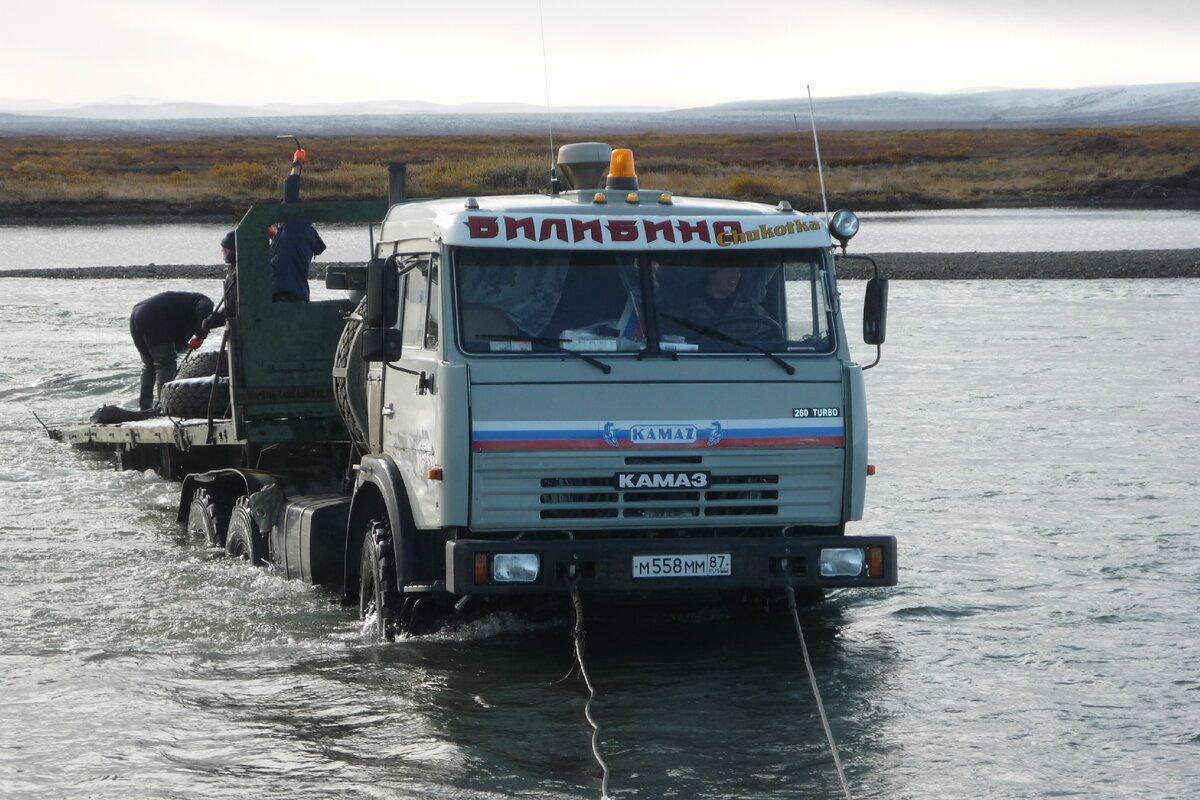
[
  {"x": 842, "y": 562},
  {"x": 843, "y": 226},
  {"x": 516, "y": 567}
]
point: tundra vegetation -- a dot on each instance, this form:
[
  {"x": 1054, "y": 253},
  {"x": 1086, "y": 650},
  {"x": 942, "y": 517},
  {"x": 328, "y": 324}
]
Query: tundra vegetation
[{"x": 65, "y": 177}]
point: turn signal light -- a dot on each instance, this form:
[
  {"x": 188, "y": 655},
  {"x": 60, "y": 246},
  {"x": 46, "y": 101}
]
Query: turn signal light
[
  {"x": 621, "y": 172},
  {"x": 875, "y": 562},
  {"x": 481, "y": 569}
]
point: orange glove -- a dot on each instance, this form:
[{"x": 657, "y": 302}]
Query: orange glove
[
  {"x": 194, "y": 343},
  {"x": 299, "y": 157}
]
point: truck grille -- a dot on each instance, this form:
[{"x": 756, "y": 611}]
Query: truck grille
[
  {"x": 595, "y": 498},
  {"x": 511, "y": 492}
]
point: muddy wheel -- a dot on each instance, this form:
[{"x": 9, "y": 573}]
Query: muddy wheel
[
  {"x": 208, "y": 519},
  {"x": 189, "y": 398},
  {"x": 378, "y": 597},
  {"x": 243, "y": 540}
]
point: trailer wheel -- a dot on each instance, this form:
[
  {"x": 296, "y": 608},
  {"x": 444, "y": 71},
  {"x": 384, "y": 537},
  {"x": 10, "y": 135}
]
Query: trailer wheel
[
  {"x": 243, "y": 540},
  {"x": 378, "y": 598},
  {"x": 208, "y": 518}
]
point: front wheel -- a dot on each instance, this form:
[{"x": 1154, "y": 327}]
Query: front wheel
[
  {"x": 378, "y": 595},
  {"x": 243, "y": 540}
]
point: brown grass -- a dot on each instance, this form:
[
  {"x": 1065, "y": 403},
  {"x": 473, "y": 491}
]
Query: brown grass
[{"x": 864, "y": 169}]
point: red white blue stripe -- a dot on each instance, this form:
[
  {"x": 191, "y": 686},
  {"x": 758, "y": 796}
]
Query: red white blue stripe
[{"x": 673, "y": 435}]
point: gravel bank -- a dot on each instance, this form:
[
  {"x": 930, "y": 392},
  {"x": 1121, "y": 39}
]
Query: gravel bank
[
  {"x": 1074, "y": 265},
  {"x": 900, "y": 266}
]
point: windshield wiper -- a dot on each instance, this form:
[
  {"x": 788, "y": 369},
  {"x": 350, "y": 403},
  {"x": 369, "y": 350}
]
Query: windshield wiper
[
  {"x": 549, "y": 342},
  {"x": 721, "y": 336}
]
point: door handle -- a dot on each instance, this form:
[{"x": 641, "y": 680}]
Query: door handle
[{"x": 424, "y": 384}]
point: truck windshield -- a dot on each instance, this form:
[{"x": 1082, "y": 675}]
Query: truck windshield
[{"x": 514, "y": 301}]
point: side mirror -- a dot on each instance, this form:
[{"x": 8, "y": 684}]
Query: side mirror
[
  {"x": 875, "y": 311},
  {"x": 383, "y": 292},
  {"x": 381, "y": 344},
  {"x": 348, "y": 277},
  {"x": 381, "y": 341}
]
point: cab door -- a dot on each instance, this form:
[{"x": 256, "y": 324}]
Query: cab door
[{"x": 409, "y": 425}]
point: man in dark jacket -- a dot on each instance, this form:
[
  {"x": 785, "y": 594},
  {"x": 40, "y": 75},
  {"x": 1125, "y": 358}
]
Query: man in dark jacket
[
  {"x": 161, "y": 327},
  {"x": 224, "y": 309},
  {"x": 295, "y": 243}
]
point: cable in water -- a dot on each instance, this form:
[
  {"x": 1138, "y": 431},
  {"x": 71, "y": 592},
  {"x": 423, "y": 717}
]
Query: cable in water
[
  {"x": 587, "y": 708},
  {"x": 812, "y": 679}
]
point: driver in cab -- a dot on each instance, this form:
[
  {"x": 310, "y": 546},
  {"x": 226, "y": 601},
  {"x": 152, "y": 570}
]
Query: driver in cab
[{"x": 714, "y": 299}]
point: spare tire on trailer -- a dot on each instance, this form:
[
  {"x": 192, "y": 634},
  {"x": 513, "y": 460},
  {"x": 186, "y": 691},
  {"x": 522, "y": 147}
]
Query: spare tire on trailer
[
  {"x": 190, "y": 398},
  {"x": 204, "y": 365}
]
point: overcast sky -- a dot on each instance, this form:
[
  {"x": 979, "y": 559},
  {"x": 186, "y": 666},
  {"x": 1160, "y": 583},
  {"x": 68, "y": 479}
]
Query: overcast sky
[{"x": 665, "y": 53}]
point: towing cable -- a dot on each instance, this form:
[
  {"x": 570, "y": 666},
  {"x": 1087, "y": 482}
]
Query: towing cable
[
  {"x": 579, "y": 635},
  {"x": 812, "y": 677}
]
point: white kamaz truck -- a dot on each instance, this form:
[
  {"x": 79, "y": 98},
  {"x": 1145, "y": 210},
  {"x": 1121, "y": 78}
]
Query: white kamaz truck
[{"x": 620, "y": 391}]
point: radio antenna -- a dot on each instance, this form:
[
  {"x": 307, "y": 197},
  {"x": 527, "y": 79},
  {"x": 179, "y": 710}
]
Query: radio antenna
[
  {"x": 549, "y": 117},
  {"x": 812, "y": 115}
]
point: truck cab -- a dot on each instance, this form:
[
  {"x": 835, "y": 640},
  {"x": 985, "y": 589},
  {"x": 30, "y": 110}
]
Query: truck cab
[
  {"x": 611, "y": 389},
  {"x": 604, "y": 390}
]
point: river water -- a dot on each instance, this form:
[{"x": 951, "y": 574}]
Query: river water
[
  {"x": 1036, "y": 445},
  {"x": 954, "y": 231}
]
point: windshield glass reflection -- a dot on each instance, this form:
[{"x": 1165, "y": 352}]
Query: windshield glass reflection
[{"x": 522, "y": 301}]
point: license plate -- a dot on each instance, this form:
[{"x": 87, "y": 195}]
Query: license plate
[{"x": 696, "y": 565}]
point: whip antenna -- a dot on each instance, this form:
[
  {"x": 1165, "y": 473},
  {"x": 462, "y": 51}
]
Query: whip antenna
[
  {"x": 812, "y": 115},
  {"x": 549, "y": 118}
]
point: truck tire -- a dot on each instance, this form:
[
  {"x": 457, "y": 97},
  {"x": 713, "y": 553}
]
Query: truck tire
[
  {"x": 189, "y": 398},
  {"x": 243, "y": 540},
  {"x": 208, "y": 518},
  {"x": 378, "y": 597},
  {"x": 204, "y": 365}
]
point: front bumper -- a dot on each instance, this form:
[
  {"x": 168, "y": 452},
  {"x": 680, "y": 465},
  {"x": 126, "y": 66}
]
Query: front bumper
[{"x": 607, "y": 565}]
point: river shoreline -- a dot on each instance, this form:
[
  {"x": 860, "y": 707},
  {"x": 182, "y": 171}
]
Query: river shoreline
[
  {"x": 1117, "y": 195},
  {"x": 1074, "y": 265}
]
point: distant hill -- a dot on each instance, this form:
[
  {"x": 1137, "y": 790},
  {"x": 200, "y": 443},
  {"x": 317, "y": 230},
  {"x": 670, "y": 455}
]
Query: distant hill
[
  {"x": 1158, "y": 104},
  {"x": 1108, "y": 106}
]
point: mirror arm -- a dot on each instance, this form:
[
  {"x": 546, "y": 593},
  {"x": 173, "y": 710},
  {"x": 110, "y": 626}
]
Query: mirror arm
[
  {"x": 862, "y": 258},
  {"x": 881, "y": 310},
  {"x": 878, "y": 356}
]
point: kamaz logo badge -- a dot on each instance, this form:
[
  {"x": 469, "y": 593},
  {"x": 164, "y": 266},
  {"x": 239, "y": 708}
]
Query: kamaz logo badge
[
  {"x": 661, "y": 480},
  {"x": 662, "y": 434}
]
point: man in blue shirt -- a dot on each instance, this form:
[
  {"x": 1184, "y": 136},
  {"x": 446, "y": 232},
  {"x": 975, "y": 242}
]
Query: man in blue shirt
[{"x": 294, "y": 245}]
